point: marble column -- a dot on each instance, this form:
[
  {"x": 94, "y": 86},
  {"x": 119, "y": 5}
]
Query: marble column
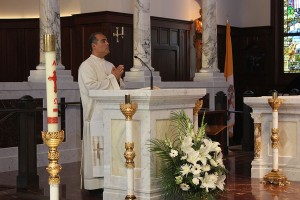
[
  {"x": 50, "y": 24},
  {"x": 142, "y": 35},
  {"x": 209, "y": 76},
  {"x": 139, "y": 75},
  {"x": 209, "y": 36}
]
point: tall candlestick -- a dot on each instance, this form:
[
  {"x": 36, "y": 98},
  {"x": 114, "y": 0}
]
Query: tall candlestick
[
  {"x": 128, "y": 109},
  {"x": 52, "y": 115},
  {"x": 275, "y": 176},
  {"x": 51, "y": 87}
]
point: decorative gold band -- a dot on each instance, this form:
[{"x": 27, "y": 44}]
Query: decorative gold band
[
  {"x": 49, "y": 42},
  {"x": 129, "y": 155}
]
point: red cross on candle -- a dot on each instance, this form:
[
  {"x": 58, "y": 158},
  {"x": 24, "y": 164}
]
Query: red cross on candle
[{"x": 53, "y": 78}]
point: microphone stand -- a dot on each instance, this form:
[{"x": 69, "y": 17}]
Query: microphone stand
[{"x": 151, "y": 75}]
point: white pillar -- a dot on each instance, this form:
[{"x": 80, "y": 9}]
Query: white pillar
[
  {"x": 142, "y": 34},
  {"x": 139, "y": 76},
  {"x": 209, "y": 36},
  {"x": 209, "y": 76},
  {"x": 50, "y": 24}
]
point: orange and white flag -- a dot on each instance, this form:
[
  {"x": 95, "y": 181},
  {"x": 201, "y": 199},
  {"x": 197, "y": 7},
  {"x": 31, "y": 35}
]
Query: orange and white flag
[{"x": 228, "y": 73}]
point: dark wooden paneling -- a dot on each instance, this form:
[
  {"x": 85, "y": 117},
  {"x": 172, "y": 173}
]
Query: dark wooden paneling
[
  {"x": 66, "y": 42},
  {"x": 173, "y": 36},
  {"x": 31, "y": 51},
  {"x": 168, "y": 62},
  {"x": 19, "y": 49}
]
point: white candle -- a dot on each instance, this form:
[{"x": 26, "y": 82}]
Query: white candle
[
  {"x": 129, "y": 131},
  {"x": 130, "y": 171},
  {"x": 275, "y": 159},
  {"x": 51, "y": 87},
  {"x": 130, "y": 181},
  {"x": 275, "y": 119},
  {"x": 54, "y": 192}
]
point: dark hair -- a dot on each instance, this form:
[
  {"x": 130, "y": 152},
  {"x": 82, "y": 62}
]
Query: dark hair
[{"x": 93, "y": 39}]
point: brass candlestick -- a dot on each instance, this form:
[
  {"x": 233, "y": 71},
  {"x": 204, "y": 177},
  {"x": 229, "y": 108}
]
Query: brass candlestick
[
  {"x": 53, "y": 140},
  {"x": 275, "y": 176},
  {"x": 128, "y": 109}
]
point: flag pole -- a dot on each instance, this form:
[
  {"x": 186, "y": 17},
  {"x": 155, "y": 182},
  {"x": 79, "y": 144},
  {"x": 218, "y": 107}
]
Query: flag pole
[{"x": 228, "y": 73}]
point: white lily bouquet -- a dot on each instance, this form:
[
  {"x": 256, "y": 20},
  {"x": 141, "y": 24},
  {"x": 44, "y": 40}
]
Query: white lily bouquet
[{"x": 191, "y": 163}]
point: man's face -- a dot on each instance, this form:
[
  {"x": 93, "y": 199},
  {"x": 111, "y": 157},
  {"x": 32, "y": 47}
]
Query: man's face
[{"x": 101, "y": 47}]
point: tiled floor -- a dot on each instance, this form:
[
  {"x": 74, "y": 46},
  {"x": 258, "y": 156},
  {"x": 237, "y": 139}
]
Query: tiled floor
[{"x": 239, "y": 185}]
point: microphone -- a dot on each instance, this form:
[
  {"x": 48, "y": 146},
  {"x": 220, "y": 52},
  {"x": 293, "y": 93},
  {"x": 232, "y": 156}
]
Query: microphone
[{"x": 151, "y": 78}]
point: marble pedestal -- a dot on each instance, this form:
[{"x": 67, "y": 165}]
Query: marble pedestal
[
  {"x": 152, "y": 120},
  {"x": 40, "y": 76},
  {"x": 289, "y": 136}
]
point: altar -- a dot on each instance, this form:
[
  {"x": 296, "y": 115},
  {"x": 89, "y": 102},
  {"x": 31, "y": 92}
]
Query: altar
[
  {"x": 151, "y": 120},
  {"x": 289, "y": 136}
]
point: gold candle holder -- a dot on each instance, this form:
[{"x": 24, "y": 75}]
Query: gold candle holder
[
  {"x": 128, "y": 109},
  {"x": 53, "y": 140},
  {"x": 275, "y": 176},
  {"x": 275, "y": 103}
]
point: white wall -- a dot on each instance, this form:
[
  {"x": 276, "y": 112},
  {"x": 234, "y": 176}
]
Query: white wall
[
  {"x": 241, "y": 13},
  {"x": 244, "y": 13}
]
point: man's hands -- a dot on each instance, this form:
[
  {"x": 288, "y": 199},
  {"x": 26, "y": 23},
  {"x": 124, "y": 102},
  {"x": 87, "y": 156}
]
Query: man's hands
[{"x": 118, "y": 71}]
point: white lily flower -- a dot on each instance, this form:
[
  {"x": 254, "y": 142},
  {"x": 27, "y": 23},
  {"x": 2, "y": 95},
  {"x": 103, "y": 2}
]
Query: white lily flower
[
  {"x": 219, "y": 159},
  {"x": 220, "y": 182},
  {"x": 193, "y": 156},
  {"x": 206, "y": 168},
  {"x": 208, "y": 181},
  {"x": 186, "y": 145},
  {"x": 213, "y": 146},
  {"x": 204, "y": 154},
  {"x": 213, "y": 163}
]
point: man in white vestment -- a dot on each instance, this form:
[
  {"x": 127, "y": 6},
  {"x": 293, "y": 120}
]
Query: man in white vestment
[{"x": 95, "y": 73}]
